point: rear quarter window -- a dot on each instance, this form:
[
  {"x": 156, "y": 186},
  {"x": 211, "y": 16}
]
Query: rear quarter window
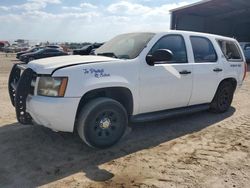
[{"x": 230, "y": 50}]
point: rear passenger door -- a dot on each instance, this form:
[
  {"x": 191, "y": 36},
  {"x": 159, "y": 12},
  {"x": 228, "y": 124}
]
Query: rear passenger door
[
  {"x": 45, "y": 53},
  {"x": 52, "y": 52},
  {"x": 207, "y": 69}
]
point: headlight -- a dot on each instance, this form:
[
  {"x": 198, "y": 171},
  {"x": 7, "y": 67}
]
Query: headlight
[{"x": 52, "y": 86}]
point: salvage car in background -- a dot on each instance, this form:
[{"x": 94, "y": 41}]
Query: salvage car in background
[
  {"x": 42, "y": 53},
  {"x": 28, "y": 51},
  {"x": 54, "y": 47},
  {"x": 246, "y": 49},
  {"x": 86, "y": 50},
  {"x": 4, "y": 44}
]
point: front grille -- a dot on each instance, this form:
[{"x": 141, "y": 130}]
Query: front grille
[{"x": 19, "y": 88}]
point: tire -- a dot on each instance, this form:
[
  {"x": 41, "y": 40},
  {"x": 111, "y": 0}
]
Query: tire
[
  {"x": 223, "y": 97},
  {"x": 102, "y": 122}
]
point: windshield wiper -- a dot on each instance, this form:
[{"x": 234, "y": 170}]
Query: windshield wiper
[{"x": 108, "y": 54}]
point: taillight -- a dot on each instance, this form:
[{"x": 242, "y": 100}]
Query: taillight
[{"x": 245, "y": 72}]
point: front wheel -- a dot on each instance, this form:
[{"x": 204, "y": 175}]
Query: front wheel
[
  {"x": 102, "y": 122},
  {"x": 223, "y": 98}
]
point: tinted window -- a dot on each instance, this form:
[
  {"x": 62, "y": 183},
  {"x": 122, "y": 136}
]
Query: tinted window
[
  {"x": 50, "y": 50},
  {"x": 203, "y": 50},
  {"x": 34, "y": 49},
  {"x": 230, "y": 50},
  {"x": 53, "y": 46},
  {"x": 39, "y": 51},
  {"x": 174, "y": 43}
]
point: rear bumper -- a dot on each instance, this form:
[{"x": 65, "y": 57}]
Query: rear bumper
[{"x": 55, "y": 113}]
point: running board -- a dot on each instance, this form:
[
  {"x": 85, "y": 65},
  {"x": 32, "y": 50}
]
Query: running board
[{"x": 152, "y": 116}]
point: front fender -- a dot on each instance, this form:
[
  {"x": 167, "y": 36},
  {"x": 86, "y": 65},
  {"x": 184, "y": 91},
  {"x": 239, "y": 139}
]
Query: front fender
[{"x": 88, "y": 77}]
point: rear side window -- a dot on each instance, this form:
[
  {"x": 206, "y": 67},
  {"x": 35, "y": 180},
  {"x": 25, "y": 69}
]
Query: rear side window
[
  {"x": 176, "y": 44},
  {"x": 230, "y": 50},
  {"x": 51, "y": 50},
  {"x": 203, "y": 50}
]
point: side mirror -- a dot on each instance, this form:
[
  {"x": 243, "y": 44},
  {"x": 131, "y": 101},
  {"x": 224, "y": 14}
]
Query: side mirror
[{"x": 159, "y": 56}]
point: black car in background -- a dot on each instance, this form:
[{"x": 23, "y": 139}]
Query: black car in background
[
  {"x": 42, "y": 53},
  {"x": 28, "y": 51},
  {"x": 55, "y": 47},
  {"x": 86, "y": 50}
]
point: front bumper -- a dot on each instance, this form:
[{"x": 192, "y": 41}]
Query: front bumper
[
  {"x": 19, "y": 88},
  {"x": 55, "y": 113},
  {"x": 52, "y": 112}
]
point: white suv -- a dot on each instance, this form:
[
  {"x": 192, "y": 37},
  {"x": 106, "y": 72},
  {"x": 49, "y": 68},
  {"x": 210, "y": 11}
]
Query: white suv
[{"x": 133, "y": 77}]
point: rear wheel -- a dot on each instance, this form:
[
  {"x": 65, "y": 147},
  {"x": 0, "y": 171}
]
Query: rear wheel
[
  {"x": 102, "y": 122},
  {"x": 223, "y": 97}
]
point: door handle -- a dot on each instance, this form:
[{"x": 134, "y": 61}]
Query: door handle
[
  {"x": 185, "y": 72},
  {"x": 218, "y": 70}
]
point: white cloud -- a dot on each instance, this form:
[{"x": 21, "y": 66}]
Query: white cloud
[
  {"x": 71, "y": 8},
  {"x": 46, "y": 1},
  {"x": 82, "y": 7},
  {"x": 48, "y": 16},
  {"x": 4, "y": 8},
  {"x": 85, "y": 21},
  {"x": 164, "y": 9},
  {"x": 88, "y": 6},
  {"x": 34, "y": 4},
  {"x": 128, "y": 8}
]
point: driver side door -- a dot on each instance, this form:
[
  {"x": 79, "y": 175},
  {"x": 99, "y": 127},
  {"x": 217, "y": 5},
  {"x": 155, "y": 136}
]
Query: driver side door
[{"x": 166, "y": 85}]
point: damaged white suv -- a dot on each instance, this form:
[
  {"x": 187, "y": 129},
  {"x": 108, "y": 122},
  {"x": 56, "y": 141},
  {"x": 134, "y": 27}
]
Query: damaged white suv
[{"x": 133, "y": 77}]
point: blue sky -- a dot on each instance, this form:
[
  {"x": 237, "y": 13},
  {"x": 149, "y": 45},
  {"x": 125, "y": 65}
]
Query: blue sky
[{"x": 82, "y": 20}]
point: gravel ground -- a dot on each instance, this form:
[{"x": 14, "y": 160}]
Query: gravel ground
[{"x": 198, "y": 150}]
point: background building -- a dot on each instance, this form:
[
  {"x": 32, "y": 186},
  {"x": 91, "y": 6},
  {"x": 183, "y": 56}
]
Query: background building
[{"x": 224, "y": 17}]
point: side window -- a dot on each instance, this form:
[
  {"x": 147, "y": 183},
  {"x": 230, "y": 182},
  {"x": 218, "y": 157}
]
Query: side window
[
  {"x": 230, "y": 50},
  {"x": 51, "y": 50},
  {"x": 176, "y": 44},
  {"x": 203, "y": 50}
]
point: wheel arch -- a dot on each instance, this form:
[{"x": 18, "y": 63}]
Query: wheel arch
[
  {"x": 232, "y": 80},
  {"x": 120, "y": 94},
  {"x": 216, "y": 106}
]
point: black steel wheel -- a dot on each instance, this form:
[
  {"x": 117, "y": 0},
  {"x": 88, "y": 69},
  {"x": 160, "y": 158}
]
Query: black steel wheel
[
  {"x": 223, "y": 97},
  {"x": 102, "y": 122}
]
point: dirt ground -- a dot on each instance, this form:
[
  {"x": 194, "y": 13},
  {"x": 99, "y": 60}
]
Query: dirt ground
[{"x": 198, "y": 150}]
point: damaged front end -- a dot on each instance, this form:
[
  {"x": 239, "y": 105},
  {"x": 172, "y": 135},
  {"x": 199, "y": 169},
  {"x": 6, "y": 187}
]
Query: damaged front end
[{"x": 20, "y": 86}]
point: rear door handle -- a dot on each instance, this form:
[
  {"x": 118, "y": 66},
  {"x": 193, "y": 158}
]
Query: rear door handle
[
  {"x": 218, "y": 70},
  {"x": 185, "y": 72}
]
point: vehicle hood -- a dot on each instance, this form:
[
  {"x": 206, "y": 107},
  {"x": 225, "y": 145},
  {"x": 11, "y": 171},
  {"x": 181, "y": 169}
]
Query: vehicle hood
[
  {"x": 23, "y": 52},
  {"x": 48, "y": 65}
]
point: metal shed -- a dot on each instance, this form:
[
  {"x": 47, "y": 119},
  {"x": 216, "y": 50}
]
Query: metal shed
[{"x": 224, "y": 17}]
